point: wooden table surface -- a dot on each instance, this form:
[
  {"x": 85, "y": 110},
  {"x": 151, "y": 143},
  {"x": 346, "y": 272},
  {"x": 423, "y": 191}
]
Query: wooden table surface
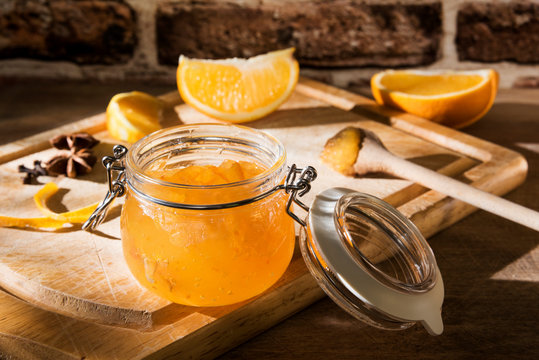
[{"x": 490, "y": 265}]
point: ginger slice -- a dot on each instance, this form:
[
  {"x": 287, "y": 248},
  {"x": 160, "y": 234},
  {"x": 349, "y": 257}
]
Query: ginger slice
[{"x": 340, "y": 152}]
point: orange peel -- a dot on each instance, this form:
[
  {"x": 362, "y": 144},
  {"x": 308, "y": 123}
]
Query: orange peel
[
  {"x": 38, "y": 223},
  {"x": 75, "y": 216},
  {"x": 51, "y": 220}
]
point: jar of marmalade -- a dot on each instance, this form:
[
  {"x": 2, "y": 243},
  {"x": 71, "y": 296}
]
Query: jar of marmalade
[
  {"x": 182, "y": 236},
  {"x": 207, "y": 221}
]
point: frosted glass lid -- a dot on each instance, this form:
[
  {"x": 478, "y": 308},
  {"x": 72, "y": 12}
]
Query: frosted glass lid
[{"x": 372, "y": 261}]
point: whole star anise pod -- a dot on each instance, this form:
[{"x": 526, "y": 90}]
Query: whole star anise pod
[
  {"x": 75, "y": 157},
  {"x": 77, "y": 141}
]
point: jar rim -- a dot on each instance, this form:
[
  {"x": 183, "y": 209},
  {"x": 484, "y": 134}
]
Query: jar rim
[
  {"x": 133, "y": 165},
  {"x": 413, "y": 264},
  {"x": 205, "y": 144}
]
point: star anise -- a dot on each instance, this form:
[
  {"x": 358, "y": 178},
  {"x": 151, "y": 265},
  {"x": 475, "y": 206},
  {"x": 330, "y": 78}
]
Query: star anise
[
  {"x": 75, "y": 141},
  {"x": 75, "y": 157}
]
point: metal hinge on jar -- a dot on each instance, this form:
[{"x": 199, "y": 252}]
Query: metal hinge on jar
[{"x": 116, "y": 181}]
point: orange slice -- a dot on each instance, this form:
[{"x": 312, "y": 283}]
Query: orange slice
[
  {"x": 52, "y": 220},
  {"x": 452, "y": 98},
  {"x": 133, "y": 115},
  {"x": 238, "y": 90}
]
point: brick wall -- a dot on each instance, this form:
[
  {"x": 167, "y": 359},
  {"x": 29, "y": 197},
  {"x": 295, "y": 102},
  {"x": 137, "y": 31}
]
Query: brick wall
[{"x": 343, "y": 41}]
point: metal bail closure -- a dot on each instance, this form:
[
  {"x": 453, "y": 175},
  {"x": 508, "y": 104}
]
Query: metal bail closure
[
  {"x": 298, "y": 183},
  {"x": 116, "y": 181},
  {"x": 372, "y": 261}
]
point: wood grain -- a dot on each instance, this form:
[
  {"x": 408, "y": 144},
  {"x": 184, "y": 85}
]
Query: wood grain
[{"x": 227, "y": 326}]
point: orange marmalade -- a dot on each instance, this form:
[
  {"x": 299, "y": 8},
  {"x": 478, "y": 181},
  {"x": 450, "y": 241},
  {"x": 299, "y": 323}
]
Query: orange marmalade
[{"x": 178, "y": 239}]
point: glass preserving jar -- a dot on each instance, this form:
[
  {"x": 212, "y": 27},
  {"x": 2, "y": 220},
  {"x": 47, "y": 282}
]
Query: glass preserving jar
[
  {"x": 183, "y": 242},
  {"x": 217, "y": 244}
]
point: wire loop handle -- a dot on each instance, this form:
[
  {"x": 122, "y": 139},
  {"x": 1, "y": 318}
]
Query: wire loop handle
[
  {"x": 115, "y": 167},
  {"x": 298, "y": 188},
  {"x": 297, "y": 184}
]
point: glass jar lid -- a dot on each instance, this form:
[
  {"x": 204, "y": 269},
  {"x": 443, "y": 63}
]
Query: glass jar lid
[{"x": 372, "y": 261}]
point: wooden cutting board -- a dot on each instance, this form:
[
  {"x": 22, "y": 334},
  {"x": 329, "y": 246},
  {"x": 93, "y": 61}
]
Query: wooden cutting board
[{"x": 82, "y": 276}]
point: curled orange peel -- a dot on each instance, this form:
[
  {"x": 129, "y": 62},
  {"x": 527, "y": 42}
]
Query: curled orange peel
[
  {"x": 51, "y": 220},
  {"x": 39, "y": 222},
  {"x": 75, "y": 216}
]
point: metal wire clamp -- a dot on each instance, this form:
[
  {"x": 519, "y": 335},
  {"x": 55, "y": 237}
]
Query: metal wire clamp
[
  {"x": 298, "y": 187},
  {"x": 116, "y": 181}
]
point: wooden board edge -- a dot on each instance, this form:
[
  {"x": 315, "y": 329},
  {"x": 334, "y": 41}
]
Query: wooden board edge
[
  {"x": 49, "y": 299},
  {"x": 19, "y": 348},
  {"x": 39, "y": 142},
  {"x": 444, "y": 211},
  {"x": 230, "y": 331},
  {"x": 223, "y": 334}
]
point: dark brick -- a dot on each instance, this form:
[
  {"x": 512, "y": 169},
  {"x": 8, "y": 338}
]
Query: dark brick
[
  {"x": 329, "y": 34},
  {"x": 86, "y": 32},
  {"x": 491, "y": 32},
  {"x": 527, "y": 82}
]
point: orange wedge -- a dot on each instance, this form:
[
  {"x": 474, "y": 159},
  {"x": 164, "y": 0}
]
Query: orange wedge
[
  {"x": 133, "y": 115},
  {"x": 452, "y": 98},
  {"x": 238, "y": 90}
]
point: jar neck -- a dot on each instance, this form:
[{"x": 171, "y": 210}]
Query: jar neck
[{"x": 203, "y": 144}]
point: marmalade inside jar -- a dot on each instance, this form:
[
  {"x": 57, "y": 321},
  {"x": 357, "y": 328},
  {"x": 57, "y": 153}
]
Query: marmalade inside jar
[{"x": 207, "y": 257}]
